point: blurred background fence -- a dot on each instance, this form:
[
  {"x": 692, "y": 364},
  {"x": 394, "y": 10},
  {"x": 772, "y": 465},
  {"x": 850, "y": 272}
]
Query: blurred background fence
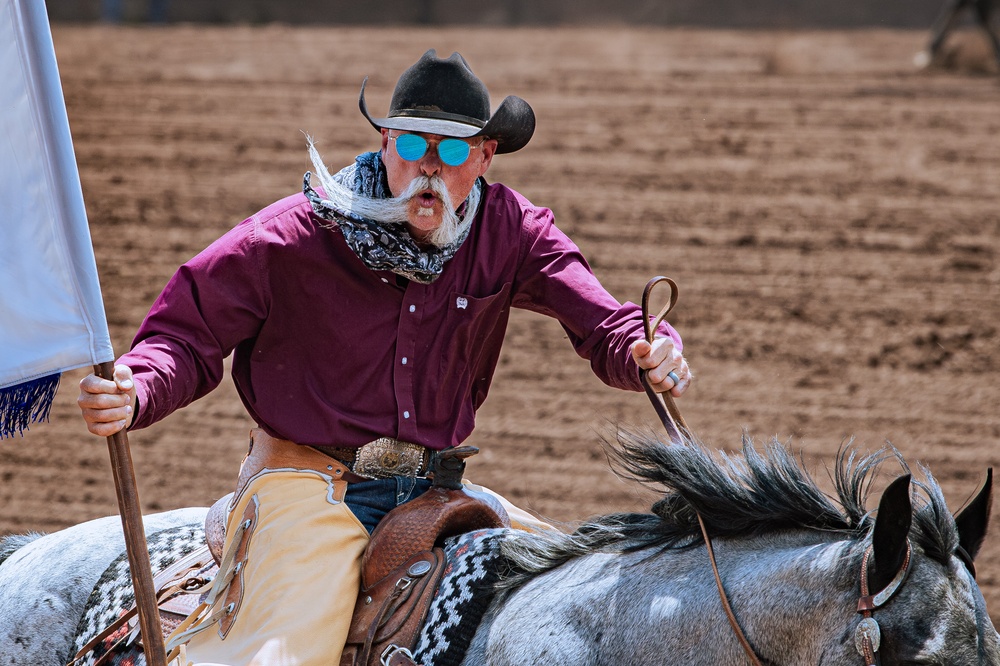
[{"x": 701, "y": 13}]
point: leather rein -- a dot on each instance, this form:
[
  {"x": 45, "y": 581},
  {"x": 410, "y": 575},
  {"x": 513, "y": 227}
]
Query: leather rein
[{"x": 867, "y": 635}]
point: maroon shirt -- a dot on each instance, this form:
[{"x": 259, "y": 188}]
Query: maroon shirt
[{"x": 327, "y": 352}]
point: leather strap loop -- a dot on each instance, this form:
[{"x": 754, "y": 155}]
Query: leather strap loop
[
  {"x": 663, "y": 403},
  {"x": 650, "y": 326}
]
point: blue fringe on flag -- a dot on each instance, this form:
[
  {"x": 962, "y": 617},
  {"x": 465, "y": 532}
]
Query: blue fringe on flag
[{"x": 26, "y": 403}]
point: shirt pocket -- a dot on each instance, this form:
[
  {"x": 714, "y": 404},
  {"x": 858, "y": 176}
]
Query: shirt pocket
[{"x": 471, "y": 324}]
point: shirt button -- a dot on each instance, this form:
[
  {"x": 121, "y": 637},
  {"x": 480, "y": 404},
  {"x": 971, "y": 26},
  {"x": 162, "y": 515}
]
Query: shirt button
[
  {"x": 406, "y": 415},
  {"x": 404, "y": 360},
  {"x": 413, "y": 308},
  {"x": 384, "y": 280}
]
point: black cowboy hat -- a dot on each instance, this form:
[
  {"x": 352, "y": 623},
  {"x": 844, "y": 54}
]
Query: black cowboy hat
[{"x": 437, "y": 96}]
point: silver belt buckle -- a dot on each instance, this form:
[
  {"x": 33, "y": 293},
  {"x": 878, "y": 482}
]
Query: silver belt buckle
[{"x": 386, "y": 457}]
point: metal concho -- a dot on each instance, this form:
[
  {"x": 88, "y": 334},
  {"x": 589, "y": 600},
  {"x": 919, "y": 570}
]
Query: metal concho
[
  {"x": 419, "y": 568},
  {"x": 867, "y": 628}
]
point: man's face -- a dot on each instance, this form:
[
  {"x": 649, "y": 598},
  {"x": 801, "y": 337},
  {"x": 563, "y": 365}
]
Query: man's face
[{"x": 425, "y": 208}]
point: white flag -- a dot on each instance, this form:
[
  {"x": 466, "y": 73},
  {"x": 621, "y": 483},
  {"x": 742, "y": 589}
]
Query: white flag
[{"x": 51, "y": 313}]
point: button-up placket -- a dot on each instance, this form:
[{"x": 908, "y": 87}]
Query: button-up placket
[{"x": 410, "y": 317}]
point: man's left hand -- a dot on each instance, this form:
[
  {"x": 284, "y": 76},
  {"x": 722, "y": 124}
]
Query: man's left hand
[{"x": 666, "y": 369}]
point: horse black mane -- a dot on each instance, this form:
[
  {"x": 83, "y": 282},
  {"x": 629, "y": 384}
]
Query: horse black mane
[{"x": 738, "y": 495}]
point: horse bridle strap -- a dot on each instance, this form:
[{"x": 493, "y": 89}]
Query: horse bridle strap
[
  {"x": 751, "y": 655},
  {"x": 868, "y": 635}
]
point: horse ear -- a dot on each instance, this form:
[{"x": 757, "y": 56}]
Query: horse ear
[
  {"x": 973, "y": 520},
  {"x": 892, "y": 527}
]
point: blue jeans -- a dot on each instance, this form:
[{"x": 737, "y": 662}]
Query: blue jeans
[{"x": 369, "y": 501}]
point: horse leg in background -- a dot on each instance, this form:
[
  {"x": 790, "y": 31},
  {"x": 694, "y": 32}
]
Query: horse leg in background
[
  {"x": 46, "y": 584},
  {"x": 939, "y": 31},
  {"x": 984, "y": 14}
]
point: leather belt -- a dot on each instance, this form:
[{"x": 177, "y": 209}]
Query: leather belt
[
  {"x": 270, "y": 452},
  {"x": 383, "y": 458}
]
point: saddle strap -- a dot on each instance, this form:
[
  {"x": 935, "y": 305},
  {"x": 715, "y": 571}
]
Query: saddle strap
[
  {"x": 103, "y": 635},
  {"x": 401, "y": 586},
  {"x": 396, "y": 656},
  {"x": 169, "y": 583},
  {"x": 389, "y": 614}
]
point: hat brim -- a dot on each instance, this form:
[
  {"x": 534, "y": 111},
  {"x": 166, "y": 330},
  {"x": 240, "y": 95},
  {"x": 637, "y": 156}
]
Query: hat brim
[{"x": 511, "y": 125}]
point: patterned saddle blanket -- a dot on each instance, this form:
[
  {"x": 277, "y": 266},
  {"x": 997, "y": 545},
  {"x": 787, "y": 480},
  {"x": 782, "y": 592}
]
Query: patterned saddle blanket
[{"x": 474, "y": 566}]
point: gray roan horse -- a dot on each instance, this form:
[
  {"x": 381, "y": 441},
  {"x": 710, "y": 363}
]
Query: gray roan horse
[{"x": 639, "y": 588}]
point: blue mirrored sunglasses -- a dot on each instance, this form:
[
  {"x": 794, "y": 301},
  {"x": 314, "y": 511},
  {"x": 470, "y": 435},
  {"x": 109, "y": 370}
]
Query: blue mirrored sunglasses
[{"x": 453, "y": 152}]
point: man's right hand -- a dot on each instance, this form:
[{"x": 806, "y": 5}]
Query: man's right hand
[{"x": 107, "y": 405}]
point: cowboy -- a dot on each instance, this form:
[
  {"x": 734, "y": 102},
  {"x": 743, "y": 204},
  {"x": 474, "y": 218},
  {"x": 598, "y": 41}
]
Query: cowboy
[
  {"x": 982, "y": 11},
  {"x": 365, "y": 317}
]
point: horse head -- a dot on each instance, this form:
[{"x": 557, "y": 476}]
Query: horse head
[
  {"x": 939, "y": 615},
  {"x": 800, "y": 568}
]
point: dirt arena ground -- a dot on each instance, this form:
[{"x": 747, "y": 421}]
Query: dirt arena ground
[{"x": 832, "y": 217}]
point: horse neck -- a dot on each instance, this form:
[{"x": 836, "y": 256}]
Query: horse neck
[{"x": 794, "y": 596}]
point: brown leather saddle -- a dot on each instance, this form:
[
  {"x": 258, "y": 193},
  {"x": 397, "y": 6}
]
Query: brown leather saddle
[
  {"x": 404, "y": 563},
  {"x": 401, "y": 568}
]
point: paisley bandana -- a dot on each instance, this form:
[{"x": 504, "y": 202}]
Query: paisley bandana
[{"x": 387, "y": 247}]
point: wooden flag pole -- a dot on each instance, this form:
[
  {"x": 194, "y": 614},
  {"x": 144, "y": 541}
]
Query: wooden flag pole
[
  {"x": 135, "y": 538},
  {"x": 42, "y": 193}
]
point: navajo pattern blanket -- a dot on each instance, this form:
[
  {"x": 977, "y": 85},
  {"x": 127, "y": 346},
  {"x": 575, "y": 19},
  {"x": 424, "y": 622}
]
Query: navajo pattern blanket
[
  {"x": 113, "y": 596},
  {"x": 473, "y": 567}
]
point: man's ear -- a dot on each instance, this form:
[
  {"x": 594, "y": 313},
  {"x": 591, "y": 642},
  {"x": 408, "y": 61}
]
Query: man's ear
[
  {"x": 489, "y": 148},
  {"x": 385, "y": 140}
]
